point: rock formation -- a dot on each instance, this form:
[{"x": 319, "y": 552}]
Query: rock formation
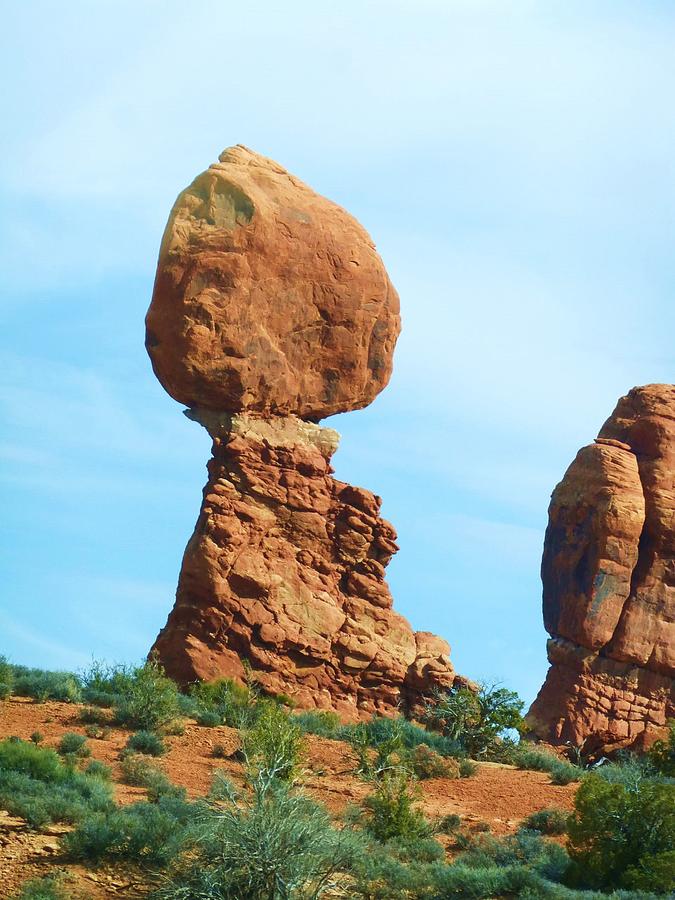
[
  {"x": 608, "y": 573},
  {"x": 271, "y": 310}
]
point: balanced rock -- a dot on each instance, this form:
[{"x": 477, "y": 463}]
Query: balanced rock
[
  {"x": 271, "y": 310},
  {"x": 608, "y": 573},
  {"x": 269, "y": 298}
]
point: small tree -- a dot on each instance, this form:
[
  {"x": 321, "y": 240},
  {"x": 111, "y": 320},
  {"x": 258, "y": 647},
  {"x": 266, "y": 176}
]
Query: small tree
[{"x": 478, "y": 720}]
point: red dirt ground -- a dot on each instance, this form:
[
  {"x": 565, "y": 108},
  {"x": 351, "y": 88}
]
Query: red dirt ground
[{"x": 499, "y": 796}]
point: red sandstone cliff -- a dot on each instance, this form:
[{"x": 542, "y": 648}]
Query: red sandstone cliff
[{"x": 608, "y": 572}]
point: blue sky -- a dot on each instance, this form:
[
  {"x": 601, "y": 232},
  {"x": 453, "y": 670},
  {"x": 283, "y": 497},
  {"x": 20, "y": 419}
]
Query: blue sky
[{"x": 514, "y": 164}]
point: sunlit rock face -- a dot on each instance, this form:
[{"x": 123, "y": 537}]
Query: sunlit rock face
[
  {"x": 269, "y": 298},
  {"x": 608, "y": 572},
  {"x": 271, "y": 310}
]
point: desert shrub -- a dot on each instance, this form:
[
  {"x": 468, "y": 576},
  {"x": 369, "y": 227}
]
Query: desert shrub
[
  {"x": 621, "y": 837},
  {"x": 42, "y": 685},
  {"x": 139, "y": 772},
  {"x": 467, "y": 768},
  {"x": 477, "y": 721},
  {"x": 662, "y": 753},
  {"x": 274, "y": 745},
  {"x": 399, "y": 733},
  {"x": 150, "y": 701},
  {"x": 320, "y": 722},
  {"x": 73, "y": 744},
  {"x": 37, "y": 737},
  {"x": 489, "y": 881},
  {"x": 547, "y": 821},
  {"x": 105, "y": 685},
  {"x": 146, "y": 742},
  {"x": 6, "y": 678},
  {"x": 142, "y": 832},
  {"x": 447, "y": 824},
  {"x": 36, "y": 785},
  {"x": 234, "y": 704},
  {"x": 220, "y": 751},
  {"x": 209, "y": 718},
  {"x": 379, "y": 754},
  {"x": 391, "y": 811},
  {"x": 525, "y": 848},
  {"x": 98, "y": 769},
  {"x": 51, "y": 887},
  {"x": 267, "y": 844},
  {"x": 426, "y": 763},
  {"x": 561, "y": 771},
  {"x": 93, "y": 715},
  {"x": 96, "y": 732}
]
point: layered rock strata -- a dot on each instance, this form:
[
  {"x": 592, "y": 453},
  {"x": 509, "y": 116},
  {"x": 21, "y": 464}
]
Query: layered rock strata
[
  {"x": 271, "y": 310},
  {"x": 286, "y": 570},
  {"x": 608, "y": 573}
]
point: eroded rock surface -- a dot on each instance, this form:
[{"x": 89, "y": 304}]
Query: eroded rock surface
[
  {"x": 286, "y": 570},
  {"x": 268, "y": 297},
  {"x": 271, "y": 309},
  {"x": 608, "y": 573}
]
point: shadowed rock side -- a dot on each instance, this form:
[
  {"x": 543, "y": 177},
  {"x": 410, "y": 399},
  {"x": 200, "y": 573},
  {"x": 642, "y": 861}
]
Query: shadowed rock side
[
  {"x": 286, "y": 569},
  {"x": 608, "y": 572},
  {"x": 271, "y": 306}
]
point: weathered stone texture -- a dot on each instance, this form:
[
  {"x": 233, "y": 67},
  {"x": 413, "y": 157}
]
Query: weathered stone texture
[
  {"x": 286, "y": 569},
  {"x": 268, "y": 297},
  {"x": 608, "y": 572}
]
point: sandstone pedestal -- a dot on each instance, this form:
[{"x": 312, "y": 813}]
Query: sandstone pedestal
[{"x": 286, "y": 570}]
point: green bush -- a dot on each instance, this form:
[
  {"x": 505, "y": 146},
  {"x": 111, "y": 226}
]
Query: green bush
[
  {"x": 209, "y": 718},
  {"x": 42, "y": 685},
  {"x": 233, "y": 704},
  {"x": 142, "y": 832},
  {"x": 621, "y": 837},
  {"x": 150, "y": 701},
  {"x": 426, "y": 763},
  {"x": 6, "y": 678},
  {"x": 547, "y": 821},
  {"x": 320, "y": 722},
  {"x": 105, "y": 685},
  {"x": 561, "y": 771},
  {"x": 447, "y": 824},
  {"x": 37, "y": 737},
  {"x": 399, "y": 733},
  {"x": 96, "y": 732},
  {"x": 146, "y": 742},
  {"x": 138, "y": 772},
  {"x": 98, "y": 769},
  {"x": 274, "y": 745},
  {"x": 267, "y": 844},
  {"x": 391, "y": 810},
  {"x": 75, "y": 744},
  {"x": 92, "y": 715},
  {"x": 36, "y": 785},
  {"x": 662, "y": 753},
  {"x": 477, "y": 721},
  {"x": 49, "y": 888},
  {"x": 467, "y": 768}
]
